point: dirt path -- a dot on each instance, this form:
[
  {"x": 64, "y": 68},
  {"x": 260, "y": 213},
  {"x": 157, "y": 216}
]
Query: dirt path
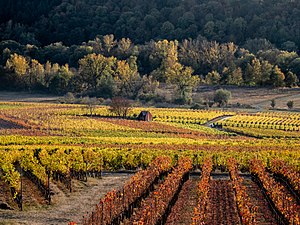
[
  {"x": 222, "y": 207},
  {"x": 281, "y": 102},
  {"x": 217, "y": 119},
  {"x": 264, "y": 215},
  {"x": 67, "y": 207},
  {"x": 183, "y": 211}
]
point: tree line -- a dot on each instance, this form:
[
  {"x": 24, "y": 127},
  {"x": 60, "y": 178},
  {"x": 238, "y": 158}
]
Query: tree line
[{"x": 107, "y": 67}]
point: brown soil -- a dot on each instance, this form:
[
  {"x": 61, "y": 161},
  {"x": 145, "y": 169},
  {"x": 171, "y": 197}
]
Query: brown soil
[
  {"x": 8, "y": 125},
  {"x": 6, "y": 199},
  {"x": 222, "y": 207},
  {"x": 259, "y": 98},
  {"x": 183, "y": 210},
  {"x": 66, "y": 206},
  {"x": 264, "y": 215}
]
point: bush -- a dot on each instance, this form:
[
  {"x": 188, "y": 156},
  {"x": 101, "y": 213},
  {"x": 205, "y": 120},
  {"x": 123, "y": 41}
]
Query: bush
[{"x": 222, "y": 97}]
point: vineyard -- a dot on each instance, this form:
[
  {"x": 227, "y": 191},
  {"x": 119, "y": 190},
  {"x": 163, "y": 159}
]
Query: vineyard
[{"x": 176, "y": 169}]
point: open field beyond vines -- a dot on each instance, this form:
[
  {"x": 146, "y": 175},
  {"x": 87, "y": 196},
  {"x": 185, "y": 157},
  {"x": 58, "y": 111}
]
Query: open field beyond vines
[{"x": 60, "y": 165}]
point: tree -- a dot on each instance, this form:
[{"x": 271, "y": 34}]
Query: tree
[
  {"x": 94, "y": 70},
  {"x": 235, "y": 77},
  {"x": 59, "y": 83},
  {"x": 149, "y": 88},
  {"x": 291, "y": 79},
  {"x": 253, "y": 73},
  {"x": 127, "y": 78},
  {"x": 266, "y": 71},
  {"x": 213, "y": 78},
  {"x": 184, "y": 81},
  {"x": 222, "y": 97},
  {"x": 90, "y": 104},
  {"x": 18, "y": 64},
  {"x": 36, "y": 75},
  {"x": 166, "y": 52},
  {"x": 277, "y": 77},
  {"x": 120, "y": 107},
  {"x": 124, "y": 46},
  {"x": 109, "y": 42},
  {"x": 273, "y": 103},
  {"x": 290, "y": 104}
]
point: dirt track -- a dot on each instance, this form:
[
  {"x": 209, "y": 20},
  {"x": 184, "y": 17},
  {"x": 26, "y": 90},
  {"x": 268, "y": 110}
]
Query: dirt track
[{"x": 67, "y": 207}]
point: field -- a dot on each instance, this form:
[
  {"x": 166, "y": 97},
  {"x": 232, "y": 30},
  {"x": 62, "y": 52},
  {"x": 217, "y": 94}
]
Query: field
[{"x": 60, "y": 165}]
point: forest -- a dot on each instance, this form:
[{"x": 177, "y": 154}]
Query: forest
[{"x": 133, "y": 48}]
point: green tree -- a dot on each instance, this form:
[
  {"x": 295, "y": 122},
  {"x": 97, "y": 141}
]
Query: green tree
[
  {"x": 290, "y": 104},
  {"x": 277, "y": 77},
  {"x": 222, "y": 97},
  {"x": 94, "y": 70},
  {"x": 166, "y": 52},
  {"x": 235, "y": 77},
  {"x": 60, "y": 82},
  {"x": 291, "y": 79},
  {"x": 184, "y": 81},
  {"x": 273, "y": 103},
  {"x": 213, "y": 78}
]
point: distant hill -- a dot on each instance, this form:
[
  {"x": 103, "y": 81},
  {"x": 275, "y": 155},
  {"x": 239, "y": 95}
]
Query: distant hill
[{"x": 76, "y": 21}]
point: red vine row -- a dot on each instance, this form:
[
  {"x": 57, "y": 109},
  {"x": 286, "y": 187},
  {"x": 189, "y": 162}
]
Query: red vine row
[
  {"x": 246, "y": 210},
  {"x": 155, "y": 206},
  {"x": 283, "y": 201},
  {"x": 115, "y": 203},
  {"x": 200, "y": 211},
  {"x": 281, "y": 168}
]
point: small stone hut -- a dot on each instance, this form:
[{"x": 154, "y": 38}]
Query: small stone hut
[{"x": 145, "y": 116}]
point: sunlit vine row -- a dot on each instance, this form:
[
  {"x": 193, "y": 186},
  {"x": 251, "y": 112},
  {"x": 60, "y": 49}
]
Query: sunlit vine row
[
  {"x": 246, "y": 210},
  {"x": 201, "y": 211},
  {"x": 282, "y": 200},
  {"x": 154, "y": 207}
]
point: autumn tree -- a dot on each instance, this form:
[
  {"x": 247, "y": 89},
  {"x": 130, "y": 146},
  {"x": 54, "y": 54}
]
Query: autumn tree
[
  {"x": 19, "y": 66},
  {"x": 36, "y": 74},
  {"x": 109, "y": 42},
  {"x": 277, "y": 77},
  {"x": 124, "y": 46},
  {"x": 213, "y": 78},
  {"x": 235, "y": 77},
  {"x": 291, "y": 79},
  {"x": 184, "y": 81},
  {"x": 166, "y": 52},
  {"x": 94, "y": 72},
  {"x": 127, "y": 78}
]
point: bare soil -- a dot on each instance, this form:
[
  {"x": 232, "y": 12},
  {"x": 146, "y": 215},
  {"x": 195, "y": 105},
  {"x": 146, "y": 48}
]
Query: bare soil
[
  {"x": 256, "y": 97},
  {"x": 66, "y": 206},
  {"x": 6, "y": 96},
  {"x": 4, "y": 124},
  {"x": 222, "y": 206}
]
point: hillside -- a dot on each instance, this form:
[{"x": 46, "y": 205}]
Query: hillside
[{"x": 75, "y": 21}]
